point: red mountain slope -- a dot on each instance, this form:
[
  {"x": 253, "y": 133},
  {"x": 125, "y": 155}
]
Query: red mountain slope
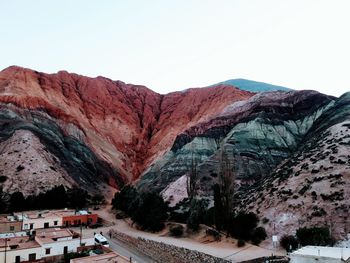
[{"x": 126, "y": 125}]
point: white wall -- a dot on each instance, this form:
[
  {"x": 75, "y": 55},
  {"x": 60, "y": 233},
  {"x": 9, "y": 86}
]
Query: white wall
[
  {"x": 23, "y": 253},
  {"x": 58, "y": 246},
  {"x": 39, "y": 222},
  {"x": 56, "y": 249}
]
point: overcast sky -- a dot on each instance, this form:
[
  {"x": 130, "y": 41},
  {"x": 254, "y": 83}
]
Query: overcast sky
[{"x": 173, "y": 45}]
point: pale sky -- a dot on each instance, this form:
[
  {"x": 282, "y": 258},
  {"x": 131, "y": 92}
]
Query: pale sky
[{"x": 173, "y": 45}]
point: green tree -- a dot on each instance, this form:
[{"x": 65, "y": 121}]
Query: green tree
[
  {"x": 150, "y": 211},
  {"x": 219, "y": 213},
  {"x": 191, "y": 180},
  {"x": 78, "y": 198},
  {"x": 243, "y": 225},
  {"x": 125, "y": 199},
  {"x": 259, "y": 234},
  {"x": 17, "y": 202},
  {"x": 3, "y": 203},
  {"x": 315, "y": 236},
  {"x": 196, "y": 214},
  {"x": 289, "y": 242}
]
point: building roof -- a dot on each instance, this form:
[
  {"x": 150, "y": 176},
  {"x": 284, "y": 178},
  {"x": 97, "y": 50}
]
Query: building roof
[
  {"x": 36, "y": 214},
  {"x": 27, "y": 215},
  {"x": 19, "y": 243},
  {"x": 328, "y": 252},
  {"x": 51, "y": 235},
  {"x": 8, "y": 219},
  {"x": 13, "y": 234},
  {"x": 108, "y": 257}
]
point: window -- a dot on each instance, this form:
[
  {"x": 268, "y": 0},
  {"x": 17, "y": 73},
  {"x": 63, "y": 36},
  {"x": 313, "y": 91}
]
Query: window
[
  {"x": 65, "y": 250},
  {"x": 12, "y": 228},
  {"x": 32, "y": 257},
  {"x": 25, "y": 226},
  {"x": 55, "y": 223},
  {"x": 47, "y": 251},
  {"x": 46, "y": 225},
  {"x": 18, "y": 259}
]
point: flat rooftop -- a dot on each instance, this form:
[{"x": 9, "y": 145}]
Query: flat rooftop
[
  {"x": 13, "y": 234},
  {"x": 329, "y": 252},
  {"x": 7, "y": 219},
  {"x": 108, "y": 257},
  {"x": 27, "y": 215},
  {"x": 50, "y": 235},
  {"x": 19, "y": 243}
]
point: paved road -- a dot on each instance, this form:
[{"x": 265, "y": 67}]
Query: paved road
[
  {"x": 128, "y": 252},
  {"x": 116, "y": 245}
]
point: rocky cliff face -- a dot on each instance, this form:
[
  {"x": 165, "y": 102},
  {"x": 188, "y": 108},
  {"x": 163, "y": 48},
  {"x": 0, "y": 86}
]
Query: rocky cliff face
[
  {"x": 255, "y": 135},
  {"x": 312, "y": 186},
  {"x": 125, "y": 127}
]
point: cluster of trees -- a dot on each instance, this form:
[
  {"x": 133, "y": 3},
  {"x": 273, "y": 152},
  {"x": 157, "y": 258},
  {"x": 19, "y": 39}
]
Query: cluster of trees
[
  {"x": 242, "y": 226},
  {"x": 314, "y": 236},
  {"x": 148, "y": 210},
  {"x": 55, "y": 198}
]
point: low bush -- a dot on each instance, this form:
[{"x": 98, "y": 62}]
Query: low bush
[
  {"x": 176, "y": 230},
  {"x": 259, "y": 234},
  {"x": 240, "y": 243},
  {"x": 289, "y": 242}
]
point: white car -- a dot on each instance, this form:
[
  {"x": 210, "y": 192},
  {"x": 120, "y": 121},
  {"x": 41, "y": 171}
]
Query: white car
[{"x": 101, "y": 240}]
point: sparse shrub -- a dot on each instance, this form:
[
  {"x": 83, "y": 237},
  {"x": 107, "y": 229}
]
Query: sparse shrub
[
  {"x": 214, "y": 233},
  {"x": 335, "y": 196},
  {"x": 3, "y": 178},
  {"x": 265, "y": 220},
  {"x": 176, "y": 230},
  {"x": 19, "y": 168},
  {"x": 240, "y": 243},
  {"x": 304, "y": 189},
  {"x": 318, "y": 212}
]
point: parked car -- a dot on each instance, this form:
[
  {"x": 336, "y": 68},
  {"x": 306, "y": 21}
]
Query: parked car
[{"x": 101, "y": 240}]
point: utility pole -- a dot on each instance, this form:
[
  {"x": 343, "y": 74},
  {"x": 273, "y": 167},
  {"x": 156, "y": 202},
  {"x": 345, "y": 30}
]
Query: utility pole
[
  {"x": 81, "y": 233},
  {"x": 5, "y": 249}
]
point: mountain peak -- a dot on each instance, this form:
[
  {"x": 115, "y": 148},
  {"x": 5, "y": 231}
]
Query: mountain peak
[{"x": 252, "y": 86}]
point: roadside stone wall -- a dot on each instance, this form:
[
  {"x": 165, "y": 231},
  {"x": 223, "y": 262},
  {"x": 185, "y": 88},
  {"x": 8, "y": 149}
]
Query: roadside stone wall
[{"x": 161, "y": 252}]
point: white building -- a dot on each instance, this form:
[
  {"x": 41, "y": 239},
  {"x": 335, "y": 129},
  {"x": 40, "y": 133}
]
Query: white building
[
  {"x": 60, "y": 241},
  {"x": 18, "y": 249},
  {"x": 39, "y": 219},
  {"x": 312, "y": 254},
  {"x": 46, "y": 243}
]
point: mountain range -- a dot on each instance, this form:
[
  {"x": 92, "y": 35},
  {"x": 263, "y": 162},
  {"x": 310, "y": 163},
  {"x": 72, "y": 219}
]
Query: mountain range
[{"x": 289, "y": 150}]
